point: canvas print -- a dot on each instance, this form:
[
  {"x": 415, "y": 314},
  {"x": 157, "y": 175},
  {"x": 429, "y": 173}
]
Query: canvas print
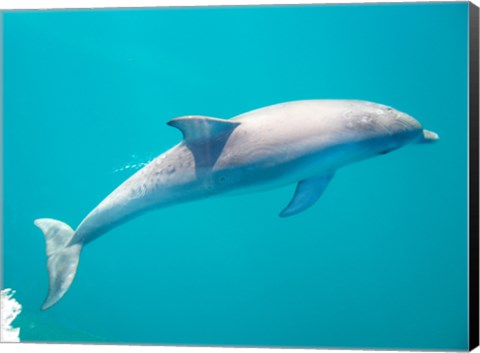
[{"x": 267, "y": 176}]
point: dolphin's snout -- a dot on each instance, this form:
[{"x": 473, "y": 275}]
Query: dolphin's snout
[{"x": 428, "y": 137}]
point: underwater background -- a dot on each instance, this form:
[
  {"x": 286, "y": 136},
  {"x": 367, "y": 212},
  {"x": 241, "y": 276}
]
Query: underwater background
[{"x": 380, "y": 261}]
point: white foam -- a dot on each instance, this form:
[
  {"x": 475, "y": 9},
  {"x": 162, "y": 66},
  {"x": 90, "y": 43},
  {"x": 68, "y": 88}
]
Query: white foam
[{"x": 10, "y": 309}]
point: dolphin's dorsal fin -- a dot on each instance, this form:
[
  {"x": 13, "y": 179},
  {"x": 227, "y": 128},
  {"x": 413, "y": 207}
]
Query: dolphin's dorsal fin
[
  {"x": 201, "y": 128},
  {"x": 307, "y": 193},
  {"x": 205, "y": 137}
]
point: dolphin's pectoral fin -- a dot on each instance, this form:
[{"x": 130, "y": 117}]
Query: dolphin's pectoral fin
[
  {"x": 307, "y": 193},
  {"x": 205, "y": 137}
]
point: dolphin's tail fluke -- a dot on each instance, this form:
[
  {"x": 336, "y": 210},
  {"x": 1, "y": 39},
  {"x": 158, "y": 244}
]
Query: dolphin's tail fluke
[{"x": 62, "y": 260}]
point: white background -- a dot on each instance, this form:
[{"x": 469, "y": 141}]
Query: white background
[{"x": 45, "y": 4}]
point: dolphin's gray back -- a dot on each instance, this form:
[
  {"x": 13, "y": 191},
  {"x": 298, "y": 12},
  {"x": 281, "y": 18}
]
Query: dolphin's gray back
[{"x": 291, "y": 131}]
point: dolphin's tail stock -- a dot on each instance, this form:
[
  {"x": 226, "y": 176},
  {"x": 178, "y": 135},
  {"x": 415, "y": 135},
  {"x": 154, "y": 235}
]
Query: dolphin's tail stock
[{"x": 62, "y": 258}]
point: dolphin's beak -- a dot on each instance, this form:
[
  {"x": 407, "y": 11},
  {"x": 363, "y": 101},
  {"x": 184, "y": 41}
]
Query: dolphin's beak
[{"x": 428, "y": 137}]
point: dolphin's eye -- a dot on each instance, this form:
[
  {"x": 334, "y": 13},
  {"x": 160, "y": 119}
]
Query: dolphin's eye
[{"x": 222, "y": 179}]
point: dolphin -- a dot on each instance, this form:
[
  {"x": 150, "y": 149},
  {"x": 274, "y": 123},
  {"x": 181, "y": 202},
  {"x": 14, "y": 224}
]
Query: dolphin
[{"x": 301, "y": 142}]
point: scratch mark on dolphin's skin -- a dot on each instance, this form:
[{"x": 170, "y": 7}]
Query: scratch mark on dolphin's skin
[{"x": 138, "y": 192}]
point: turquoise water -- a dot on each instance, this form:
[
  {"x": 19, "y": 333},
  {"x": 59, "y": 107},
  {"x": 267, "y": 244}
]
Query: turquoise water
[{"x": 380, "y": 261}]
